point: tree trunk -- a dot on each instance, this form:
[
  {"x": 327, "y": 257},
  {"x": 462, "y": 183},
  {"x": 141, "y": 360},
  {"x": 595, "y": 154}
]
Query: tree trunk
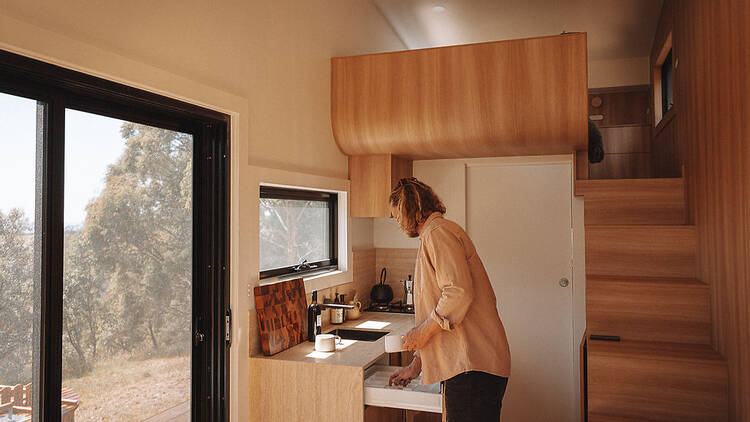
[
  {"x": 77, "y": 346},
  {"x": 153, "y": 335}
]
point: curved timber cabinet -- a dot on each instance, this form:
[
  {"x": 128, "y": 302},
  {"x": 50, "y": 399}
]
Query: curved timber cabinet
[{"x": 504, "y": 98}]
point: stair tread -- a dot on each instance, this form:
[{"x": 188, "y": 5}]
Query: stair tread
[
  {"x": 597, "y": 417},
  {"x": 643, "y": 226},
  {"x": 596, "y": 187},
  {"x": 655, "y": 350},
  {"x": 656, "y": 281}
]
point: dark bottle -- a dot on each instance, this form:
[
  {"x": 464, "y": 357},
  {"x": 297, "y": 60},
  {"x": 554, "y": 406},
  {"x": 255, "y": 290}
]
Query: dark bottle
[{"x": 314, "y": 318}]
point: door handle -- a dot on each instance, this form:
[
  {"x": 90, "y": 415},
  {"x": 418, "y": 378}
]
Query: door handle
[
  {"x": 564, "y": 282},
  {"x": 198, "y": 338}
]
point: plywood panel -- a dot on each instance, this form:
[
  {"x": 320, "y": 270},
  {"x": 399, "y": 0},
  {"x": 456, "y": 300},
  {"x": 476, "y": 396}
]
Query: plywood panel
[
  {"x": 620, "y": 105},
  {"x": 711, "y": 42},
  {"x": 640, "y": 251},
  {"x": 633, "y": 201},
  {"x": 300, "y": 391},
  {"x": 621, "y": 166},
  {"x": 626, "y": 139},
  {"x": 656, "y": 381},
  {"x": 372, "y": 179},
  {"x": 505, "y": 98},
  {"x": 649, "y": 309}
]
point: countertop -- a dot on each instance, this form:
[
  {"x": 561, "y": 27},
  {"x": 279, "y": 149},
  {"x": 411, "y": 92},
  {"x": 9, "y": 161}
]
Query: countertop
[{"x": 351, "y": 352}]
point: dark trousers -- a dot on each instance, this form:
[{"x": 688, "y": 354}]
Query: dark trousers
[{"x": 474, "y": 396}]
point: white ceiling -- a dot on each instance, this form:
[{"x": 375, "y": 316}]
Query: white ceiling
[{"x": 616, "y": 29}]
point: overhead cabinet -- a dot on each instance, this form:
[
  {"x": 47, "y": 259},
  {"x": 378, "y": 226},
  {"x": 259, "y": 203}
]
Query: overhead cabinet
[
  {"x": 372, "y": 179},
  {"x": 504, "y": 98}
]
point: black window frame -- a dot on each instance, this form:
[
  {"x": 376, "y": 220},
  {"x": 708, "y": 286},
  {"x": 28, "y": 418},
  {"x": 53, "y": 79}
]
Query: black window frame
[
  {"x": 667, "y": 83},
  {"x": 331, "y": 199},
  {"x": 60, "y": 89}
]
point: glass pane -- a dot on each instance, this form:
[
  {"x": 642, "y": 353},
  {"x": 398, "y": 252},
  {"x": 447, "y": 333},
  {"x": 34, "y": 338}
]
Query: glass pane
[
  {"x": 292, "y": 231},
  {"x": 128, "y": 269},
  {"x": 21, "y": 128}
]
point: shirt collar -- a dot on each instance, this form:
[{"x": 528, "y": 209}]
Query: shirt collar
[{"x": 428, "y": 222}]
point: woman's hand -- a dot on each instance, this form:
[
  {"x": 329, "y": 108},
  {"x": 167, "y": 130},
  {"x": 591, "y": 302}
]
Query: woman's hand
[
  {"x": 418, "y": 336},
  {"x": 403, "y": 376}
]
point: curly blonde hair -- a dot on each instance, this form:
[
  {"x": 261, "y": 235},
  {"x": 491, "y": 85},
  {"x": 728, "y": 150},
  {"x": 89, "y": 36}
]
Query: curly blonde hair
[{"x": 414, "y": 201}]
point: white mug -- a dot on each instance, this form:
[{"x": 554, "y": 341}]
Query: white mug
[
  {"x": 326, "y": 342},
  {"x": 394, "y": 344}
]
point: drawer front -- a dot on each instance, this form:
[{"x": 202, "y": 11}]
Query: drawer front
[{"x": 425, "y": 398}]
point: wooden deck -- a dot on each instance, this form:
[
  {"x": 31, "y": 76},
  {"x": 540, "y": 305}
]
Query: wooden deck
[{"x": 179, "y": 413}]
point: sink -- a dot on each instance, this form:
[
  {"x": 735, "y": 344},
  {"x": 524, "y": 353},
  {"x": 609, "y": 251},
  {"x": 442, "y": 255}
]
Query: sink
[{"x": 363, "y": 335}]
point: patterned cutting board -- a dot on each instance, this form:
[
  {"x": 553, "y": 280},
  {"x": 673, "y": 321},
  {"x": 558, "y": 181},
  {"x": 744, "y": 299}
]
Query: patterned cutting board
[{"x": 282, "y": 319}]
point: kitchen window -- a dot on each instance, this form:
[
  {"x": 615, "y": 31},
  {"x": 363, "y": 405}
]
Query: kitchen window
[{"x": 298, "y": 231}]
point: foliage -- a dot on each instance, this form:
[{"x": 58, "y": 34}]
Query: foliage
[
  {"x": 292, "y": 231},
  {"x": 16, "y": 269},
  {"x": 127, "y": 273}
]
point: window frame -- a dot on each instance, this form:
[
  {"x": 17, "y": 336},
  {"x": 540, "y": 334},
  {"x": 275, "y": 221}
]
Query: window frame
[
  {"x": 60, "y": 89},
  {"x": 667, "y": 83},
  {"x": 659, "y": 115},
  {"x": 301, "y": 194}
]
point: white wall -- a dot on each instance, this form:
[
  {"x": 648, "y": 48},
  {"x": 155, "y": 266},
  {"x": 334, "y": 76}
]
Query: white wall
[
  {"x": 619, "y": 72},
  {"x": 265, "y": 63},
  {"x": 448, "y": 178}
]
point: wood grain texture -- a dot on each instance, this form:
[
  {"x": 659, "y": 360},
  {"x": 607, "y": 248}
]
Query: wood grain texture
[
  {"x": 664, "y": 158},
  {"x": 505, "y": 98},
  {"x": 621, "y": 105},
  {"x": 372, "y": 179},
  {"x": 626, "y": 139},
  {"x": 711, "y": 41},
  {"x": 364, "y": 276},
  {"x": 621, "y": 166},
  {"x": 384, "y": 414},
  {"x": 641, "y": 251},
  {"x": 656, "y": 382},
  {"x": 633, "y": 201},
  {"x": 649, "y": 309},
  {"x": 297, "y": 391},
  {"x": 282, "y": 318},
  {"x": 581, "y": 164}
]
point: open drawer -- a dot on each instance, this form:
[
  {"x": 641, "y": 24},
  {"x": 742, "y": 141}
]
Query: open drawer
[{"x": 415, "y": 396}]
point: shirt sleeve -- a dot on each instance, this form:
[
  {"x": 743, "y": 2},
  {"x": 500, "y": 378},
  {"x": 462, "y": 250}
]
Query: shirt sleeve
[{"x": 453, "y": 277}]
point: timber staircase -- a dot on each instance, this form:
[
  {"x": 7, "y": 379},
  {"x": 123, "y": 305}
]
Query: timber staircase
[{"x": 641, "y": 286}]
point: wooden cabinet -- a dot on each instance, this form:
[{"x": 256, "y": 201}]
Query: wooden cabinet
[
  {"x": 504, "y": 98},
  {"x": 372, "y": 179}
]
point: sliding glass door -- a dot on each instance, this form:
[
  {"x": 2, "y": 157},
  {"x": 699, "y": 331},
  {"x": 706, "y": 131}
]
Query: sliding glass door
[
  {"x": 20, "y": 247},
  {"x": 127, "y": 270},
  {"x": 113, "y": 272}
]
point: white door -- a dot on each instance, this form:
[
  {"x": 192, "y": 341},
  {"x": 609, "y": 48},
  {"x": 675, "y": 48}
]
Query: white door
[{"x": 519, "y": 217}]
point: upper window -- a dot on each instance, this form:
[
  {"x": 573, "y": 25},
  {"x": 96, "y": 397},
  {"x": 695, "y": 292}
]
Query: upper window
[
  {"x": 663, "y": 68},
  {"x": 667, "y": 84},
  {"x": 297, "y": 231}
]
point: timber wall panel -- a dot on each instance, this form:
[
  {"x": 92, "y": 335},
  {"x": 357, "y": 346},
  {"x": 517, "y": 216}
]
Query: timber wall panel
[{"x": 711, "y": 42}]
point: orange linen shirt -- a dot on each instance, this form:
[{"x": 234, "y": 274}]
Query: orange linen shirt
[{"x": 451, "y": 286}]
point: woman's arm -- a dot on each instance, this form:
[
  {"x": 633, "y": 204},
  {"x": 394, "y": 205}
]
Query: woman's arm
[{"x": 453, "y": 277}]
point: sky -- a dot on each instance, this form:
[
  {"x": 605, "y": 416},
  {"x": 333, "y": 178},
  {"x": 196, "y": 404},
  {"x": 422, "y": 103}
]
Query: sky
[{"x": 92, "y": 142}]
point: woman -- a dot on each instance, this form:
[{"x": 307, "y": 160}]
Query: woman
[{"x": 460, "y": 339}]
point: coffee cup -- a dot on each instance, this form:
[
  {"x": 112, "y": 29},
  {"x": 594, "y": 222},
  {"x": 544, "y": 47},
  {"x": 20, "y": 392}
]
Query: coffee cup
[
  {"x": 394, "y": 344},
  {"x": 326, "y": 342}
]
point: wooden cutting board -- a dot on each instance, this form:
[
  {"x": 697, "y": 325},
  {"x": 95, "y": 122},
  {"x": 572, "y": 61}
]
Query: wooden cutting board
[{"x": 282, "y": 315}]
